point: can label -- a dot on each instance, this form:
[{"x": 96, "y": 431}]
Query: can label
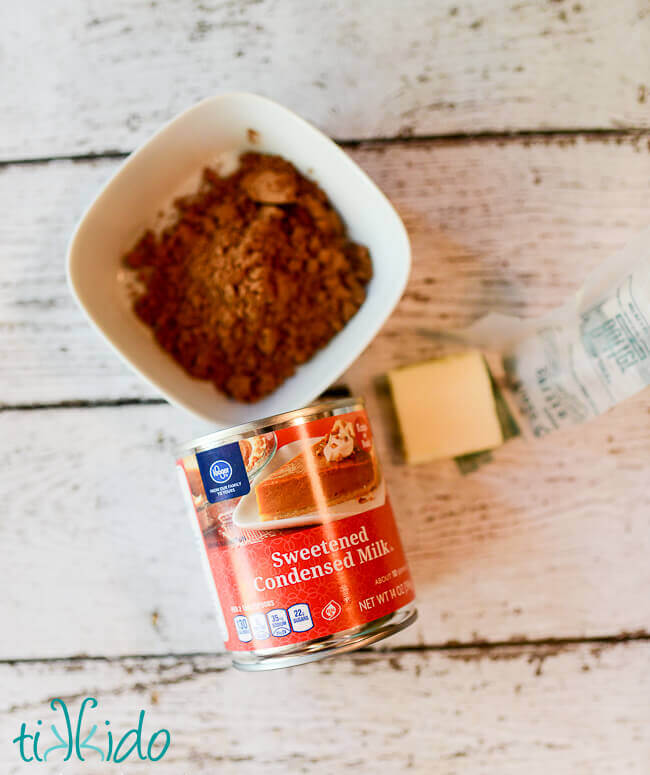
[{"x": 299, "y": 532}]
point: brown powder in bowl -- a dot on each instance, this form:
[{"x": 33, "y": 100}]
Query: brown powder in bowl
[{"x": 255, "y": 275}]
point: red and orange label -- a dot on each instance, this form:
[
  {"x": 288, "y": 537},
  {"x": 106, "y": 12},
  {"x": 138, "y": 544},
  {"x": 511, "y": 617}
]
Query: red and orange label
[{"x": 299, "y": 532}]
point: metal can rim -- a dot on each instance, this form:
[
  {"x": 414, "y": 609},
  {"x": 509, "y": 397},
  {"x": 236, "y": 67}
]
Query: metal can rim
[{"x": 327, "y": 408}]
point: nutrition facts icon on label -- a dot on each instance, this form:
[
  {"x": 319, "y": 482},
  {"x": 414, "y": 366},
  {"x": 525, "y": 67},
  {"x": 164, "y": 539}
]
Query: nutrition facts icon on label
[
  {"x": 260, "y": 627},
  {"x": 300, "y": 616},
  {"x": 279, "y": 622},
  {"x": 243, "y": 629}
]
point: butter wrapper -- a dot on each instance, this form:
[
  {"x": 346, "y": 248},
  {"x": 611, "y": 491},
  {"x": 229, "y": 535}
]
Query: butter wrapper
[{"x": 584, "y": 357}]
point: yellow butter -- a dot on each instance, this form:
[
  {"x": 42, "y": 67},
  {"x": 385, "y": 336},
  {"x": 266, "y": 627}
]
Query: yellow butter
[{"x": 445, "y": 407}]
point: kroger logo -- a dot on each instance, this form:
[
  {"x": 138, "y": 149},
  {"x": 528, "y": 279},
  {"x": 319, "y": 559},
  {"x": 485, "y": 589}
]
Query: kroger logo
[{"x": 220, "y": 471}]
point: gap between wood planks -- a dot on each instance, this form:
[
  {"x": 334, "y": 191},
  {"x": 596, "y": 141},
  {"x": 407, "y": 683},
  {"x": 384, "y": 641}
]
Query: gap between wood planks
[
  {"x": 541, "y": 647},
  {"x": 83, "y": 404},
  {"x": 521, "y": 135},
  {"x": 334, "y": 391}
]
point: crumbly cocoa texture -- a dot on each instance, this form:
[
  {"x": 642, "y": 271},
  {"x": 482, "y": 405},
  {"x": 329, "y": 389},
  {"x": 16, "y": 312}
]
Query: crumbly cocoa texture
[{"x": 255, "y": 275}]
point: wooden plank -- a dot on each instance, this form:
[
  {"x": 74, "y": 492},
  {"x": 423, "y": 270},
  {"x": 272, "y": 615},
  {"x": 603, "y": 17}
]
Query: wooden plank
[
  {"x": 578, "y": 709},
  {"x": 513, "y": 226},
  {"x": 106, "y": 78},
  {"x": 45, "y": 339},
  {"x": 549, "y": 540}
]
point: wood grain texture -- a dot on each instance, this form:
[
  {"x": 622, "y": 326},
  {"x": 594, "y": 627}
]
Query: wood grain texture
[
  {"x": 549, "y": 540},
  {"x": 512, "y": 226},
  {"x": 80, "y": 77},
  {"x": 581, "y": 709},
  {"x": 518, "y": 550}
]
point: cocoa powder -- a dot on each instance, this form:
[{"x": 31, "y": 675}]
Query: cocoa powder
[{"x": 254, "y": 276}]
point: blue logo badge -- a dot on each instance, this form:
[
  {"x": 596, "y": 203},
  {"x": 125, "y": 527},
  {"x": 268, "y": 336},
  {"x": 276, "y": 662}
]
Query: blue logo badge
[
  {"x": 220, "y": 471},
  {"x": 223, "y": 473}
]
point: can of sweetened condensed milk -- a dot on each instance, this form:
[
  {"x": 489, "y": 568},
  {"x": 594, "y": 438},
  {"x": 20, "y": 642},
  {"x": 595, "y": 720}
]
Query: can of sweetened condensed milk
[{"x": 298, "y": 535}]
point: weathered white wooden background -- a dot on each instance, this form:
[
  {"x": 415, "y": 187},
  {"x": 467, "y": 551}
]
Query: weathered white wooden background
[{"x": 514, "y": 139}]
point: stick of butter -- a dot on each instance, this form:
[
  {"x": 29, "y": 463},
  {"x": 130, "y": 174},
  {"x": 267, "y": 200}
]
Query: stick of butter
[{"x": 445, "y": 407}]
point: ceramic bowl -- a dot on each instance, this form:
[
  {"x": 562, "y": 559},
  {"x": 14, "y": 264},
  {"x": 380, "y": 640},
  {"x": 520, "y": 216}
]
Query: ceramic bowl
[{"x": 169, "y": 164}]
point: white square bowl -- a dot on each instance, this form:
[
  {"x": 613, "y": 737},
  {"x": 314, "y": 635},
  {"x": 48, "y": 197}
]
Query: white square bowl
[{"x": 158, "y": 171}]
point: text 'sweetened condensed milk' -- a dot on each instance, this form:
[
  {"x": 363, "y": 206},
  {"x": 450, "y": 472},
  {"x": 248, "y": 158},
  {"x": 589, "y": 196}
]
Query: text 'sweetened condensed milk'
[{"x": 299, "y": 535}]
